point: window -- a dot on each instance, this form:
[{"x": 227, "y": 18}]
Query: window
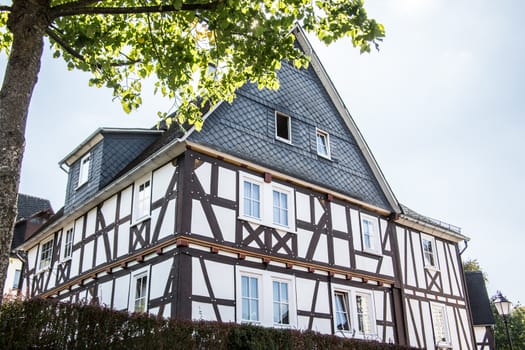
[
  {"x": 250, "y": 298},
  {"x": 370, "y": 234},
  {"x": 267, "y": 203},
  {"x": 323, "y": 144},
  {"x": 141, "y": 289},
  {"x": 84, "y": 170},
  {"x": 252, "y": 199},
  {"x": 45, "y": 254},
  {"x": 264, "y": 297},
  {"x": 364, "y": 319},
  {"x": 68, "y": 243},
  {"x": 16, "y": 279},
  {"x": 280, "y": 303},
  {"x": 342, "y": 322},
  {"x": 439, "y": 322},
  {"x": 429, "y": 251},
  {"x": 280, "y": 208},
  {"x": 142, "y": 199},
  {"x": 283, "y": 127}
]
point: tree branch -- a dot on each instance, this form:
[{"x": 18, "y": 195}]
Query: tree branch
[
  {"x": 90, "y": 10},
  {"x": 64, "y": 45},
  {"x": 79, "y": 56},
  {"x": 5, "y": 8}
]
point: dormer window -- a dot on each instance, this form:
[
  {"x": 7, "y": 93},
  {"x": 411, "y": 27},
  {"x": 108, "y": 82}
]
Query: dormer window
[
  {"x": 283, "y": 128},
  {"x": 323, "y": 143},
  {"x": 83, "y": 175}
]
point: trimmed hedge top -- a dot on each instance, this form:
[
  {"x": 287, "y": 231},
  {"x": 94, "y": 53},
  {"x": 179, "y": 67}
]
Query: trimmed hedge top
[{"x": 46, "y": 324}]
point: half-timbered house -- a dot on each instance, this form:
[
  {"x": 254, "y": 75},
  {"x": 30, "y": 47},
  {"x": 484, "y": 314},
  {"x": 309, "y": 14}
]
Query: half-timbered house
[{"x": 276, "y": 214}]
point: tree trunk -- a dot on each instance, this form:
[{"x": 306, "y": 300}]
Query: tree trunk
[{"x": 28, "y": 22}]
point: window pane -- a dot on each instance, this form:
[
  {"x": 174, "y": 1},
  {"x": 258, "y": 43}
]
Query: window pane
[
  {"x": 322, "y": 148},
  {"x": 245, "y": 309},
  {"x": 276, "y": 313},
  {"x": 276, "y": 292},
  {"x": 244, "y": 283},
  {"x": 282, "y": 126},
  {"x": 254, "y": 293},
  {"x": 284, "y": 292},
  {"x": 254, "y": 310}
]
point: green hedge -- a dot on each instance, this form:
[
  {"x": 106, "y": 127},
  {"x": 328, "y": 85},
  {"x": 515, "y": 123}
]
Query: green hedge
[{"x": 45, "y": 324}]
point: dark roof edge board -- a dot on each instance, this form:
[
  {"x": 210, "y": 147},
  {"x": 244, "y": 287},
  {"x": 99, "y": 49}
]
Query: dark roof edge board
[
  {"x": 96, "y": 137},
  {"x": 159, "y": 157},
  {"x": 347, "y": 117}
]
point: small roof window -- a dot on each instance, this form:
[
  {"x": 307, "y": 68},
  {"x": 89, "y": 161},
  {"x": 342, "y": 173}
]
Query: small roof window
[{"x": 283, "y": 127}]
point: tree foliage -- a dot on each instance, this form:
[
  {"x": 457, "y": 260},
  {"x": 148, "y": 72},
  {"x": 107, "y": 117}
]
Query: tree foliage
[
  {"x": 471, "y": 265},
  {"x": 516, "y": 324},
  {"x": 175, "y": 42},
  {"x": 122, "y": 42}
]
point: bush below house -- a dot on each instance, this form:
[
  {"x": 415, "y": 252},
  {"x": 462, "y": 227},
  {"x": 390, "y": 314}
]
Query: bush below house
[{"x": 45, "y": 324}]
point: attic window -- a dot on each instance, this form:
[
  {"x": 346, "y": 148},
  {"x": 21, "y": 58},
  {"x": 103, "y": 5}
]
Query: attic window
[
  {"x": 283, "y": 127},
  {"x": 323, "y": 143},
  {"x": 84, "y": 170}
]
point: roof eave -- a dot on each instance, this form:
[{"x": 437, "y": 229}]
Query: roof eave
[{"x": 431, "y": 229}]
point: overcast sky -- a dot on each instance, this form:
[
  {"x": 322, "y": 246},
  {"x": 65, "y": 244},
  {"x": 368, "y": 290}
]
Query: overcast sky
[{"x": 441, "y": 107}]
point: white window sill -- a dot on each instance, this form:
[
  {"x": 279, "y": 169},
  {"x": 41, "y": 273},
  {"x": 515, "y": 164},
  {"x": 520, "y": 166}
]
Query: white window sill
[
  {"x": 79, "y": 186},
  {"x": 372, "y": 251},
  {"x": 43, "y": 269},
  {"x": 327, "y": 157},
  {"x": 65, "y": 260},
  {"x": 267, "y": 224},
  {"x": 283, "y": 140},
  {"x": 431, "y": 268},
  {"x": 140, "y": 220}
]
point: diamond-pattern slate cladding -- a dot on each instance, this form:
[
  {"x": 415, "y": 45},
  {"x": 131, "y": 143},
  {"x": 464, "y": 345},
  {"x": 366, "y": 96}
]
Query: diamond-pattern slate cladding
[
  {"x": 246, "y": 129},
  {"x": 119, "y": 150},
  {"x": 108, "y": 158}
]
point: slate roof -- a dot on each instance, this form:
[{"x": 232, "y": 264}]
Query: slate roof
[
  {"x": 478, "y": 299},
  {"x": 415, "y": 215},
  {"x": 29, "y": 205},
  {"x": 246, "y": 129}
]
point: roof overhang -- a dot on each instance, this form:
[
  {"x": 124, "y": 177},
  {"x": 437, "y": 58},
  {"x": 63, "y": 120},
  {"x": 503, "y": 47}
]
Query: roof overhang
[{"x": 96, "y": 137}]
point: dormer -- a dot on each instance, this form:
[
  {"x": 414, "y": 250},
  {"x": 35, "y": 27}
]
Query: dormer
[{"x": 96, "y": 161}]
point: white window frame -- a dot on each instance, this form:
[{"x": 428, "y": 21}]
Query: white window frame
[
  {"x": 265, "y": 296},
  {"x": 375, "y": 237},
  {"x": 16, "y": 279},
  {"x": 266, "y": 202},
  {"x": 83, "y": 172},
  {"x": 326, "y": 136},
  {"x": 444, "y": 342},
  {"x": 135, "y": 276},
  {"x": 346, "y": 310},
  {"x": 433, "y": 246},
  {"x": 280, "y": 301},
  {"x": 371, "y": 313},
  {"x": 352, "y": 315},
  {"x": 251, "y": 199},
  {"x": 250, "y": 298},
  {"x": 141, "y": 214},
  {"x": 67, "y": 247},
  {"x": 289, "y": 120},
  {"x": 280, "y": 208},
  {"x": 50, "y": 259}
]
